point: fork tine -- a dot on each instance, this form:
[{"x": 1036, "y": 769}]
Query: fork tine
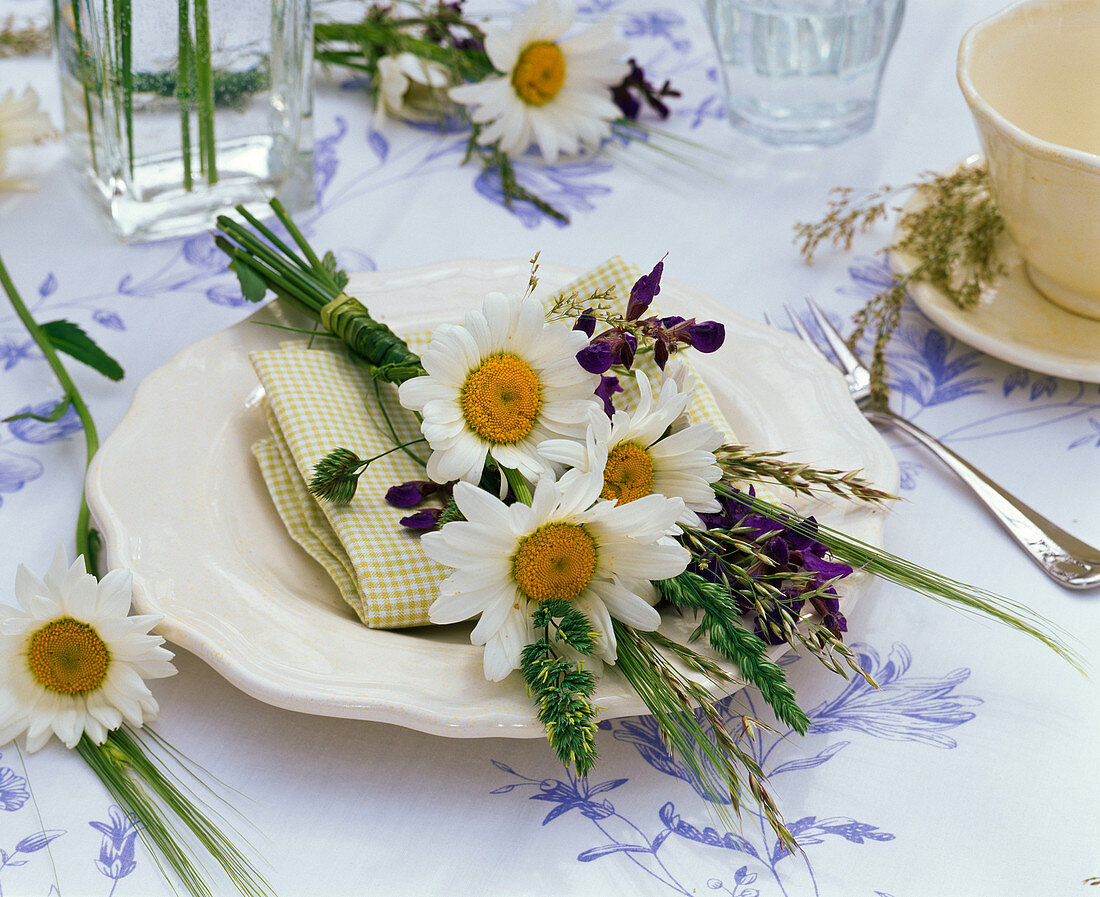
[
  {"x": 804, "y": 334},
  {"x": 844, "y": 355}
]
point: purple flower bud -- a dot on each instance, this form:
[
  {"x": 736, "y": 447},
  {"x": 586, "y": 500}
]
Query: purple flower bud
[
  {"x": 426, "y": 519},
  {"x": 660, "y": 353},
  {"x": 595, "y": 357},
  {"x": 622, "y": 98},
  {"x": 623, "y": 350},
  {"x": 645, "y": 288},
  {"x": 607, "y": 388},
  {"x": 586, "y": 322},
  {"x": 670, "y": 322},
  {"x": 409, "y": 495},
  {"x": 707, "y": 336}
]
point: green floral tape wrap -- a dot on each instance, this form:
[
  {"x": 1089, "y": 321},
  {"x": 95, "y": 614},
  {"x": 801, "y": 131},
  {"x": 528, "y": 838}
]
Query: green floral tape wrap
[{"x": 388, "y": 355}]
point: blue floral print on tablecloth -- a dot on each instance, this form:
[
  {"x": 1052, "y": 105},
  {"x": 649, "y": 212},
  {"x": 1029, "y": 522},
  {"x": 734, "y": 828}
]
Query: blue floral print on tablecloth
[{"x": 905, "y": 708}]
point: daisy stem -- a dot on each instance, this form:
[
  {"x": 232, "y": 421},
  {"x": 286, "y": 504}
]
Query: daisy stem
[{"x": 86, "y": 538}]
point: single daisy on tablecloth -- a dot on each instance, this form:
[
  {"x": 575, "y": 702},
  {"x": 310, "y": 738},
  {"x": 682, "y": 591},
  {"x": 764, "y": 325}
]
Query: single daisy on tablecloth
[
  {"x": 567, "y": 545},
  {"x": 552, "y": 92},
  {"x": 21, "y": 122},
  {"x": 638, "y": 455},
  {"x": 411, "y": 88},
  {"x": 71, "y": 660},
  {"x": 498, "y": 385}
]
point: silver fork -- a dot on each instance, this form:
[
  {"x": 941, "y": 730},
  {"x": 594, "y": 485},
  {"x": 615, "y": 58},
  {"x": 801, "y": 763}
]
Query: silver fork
[{"x": 1064, "y": 558}]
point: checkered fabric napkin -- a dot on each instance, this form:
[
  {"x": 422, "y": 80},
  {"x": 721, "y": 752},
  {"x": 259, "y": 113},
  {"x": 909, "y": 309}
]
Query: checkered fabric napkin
[{"x": 317, "y": 400}]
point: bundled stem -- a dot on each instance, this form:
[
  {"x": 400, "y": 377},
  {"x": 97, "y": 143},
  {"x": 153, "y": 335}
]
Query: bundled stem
[
  {"x": 140, "y": 786},
  {"x": 313, "y": 285}
]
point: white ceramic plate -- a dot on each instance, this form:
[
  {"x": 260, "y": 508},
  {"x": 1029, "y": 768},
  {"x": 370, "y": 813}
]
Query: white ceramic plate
[
  {"x": 180, "y": 502},
  {"x": 1014, "y": 321}
]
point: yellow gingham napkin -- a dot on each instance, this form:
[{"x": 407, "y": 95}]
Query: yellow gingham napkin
[{"x": 317, "y": 400}]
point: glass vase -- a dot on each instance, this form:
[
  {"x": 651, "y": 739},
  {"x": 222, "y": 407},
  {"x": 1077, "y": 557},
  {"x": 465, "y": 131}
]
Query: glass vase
[{"x": 177, "y": 110}]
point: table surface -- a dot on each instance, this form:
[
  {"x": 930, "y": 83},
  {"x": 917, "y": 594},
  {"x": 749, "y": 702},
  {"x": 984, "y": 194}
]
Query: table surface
[{"x": 968, "y": 772}]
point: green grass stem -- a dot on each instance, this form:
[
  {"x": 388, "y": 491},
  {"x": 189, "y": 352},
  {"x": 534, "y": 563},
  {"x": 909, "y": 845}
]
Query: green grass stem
[
  {"x": 961, "y": 596},
  {"x": 204, "y": 87},
  {"x": 124, "y": 25},
  {"x": 185, "y": 90},
  {"x": 144, "y": 790}
]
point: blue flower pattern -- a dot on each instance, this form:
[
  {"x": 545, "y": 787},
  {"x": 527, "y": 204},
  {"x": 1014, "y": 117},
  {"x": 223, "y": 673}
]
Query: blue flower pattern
[
  {"x": 117, "y": 855},
  {"x": 116, "y": 850},
  {"x": 929, "y": 368},
  {"x": 905, "y": 708}
]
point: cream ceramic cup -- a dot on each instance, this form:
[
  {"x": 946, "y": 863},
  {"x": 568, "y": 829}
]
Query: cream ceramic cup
[{"x": 1031, "y": 75}]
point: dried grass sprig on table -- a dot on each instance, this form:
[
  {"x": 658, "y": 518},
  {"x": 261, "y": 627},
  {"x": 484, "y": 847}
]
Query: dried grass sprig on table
[
  {"x": 23, "y": 40},
  {"x": 952, "y": 236}
]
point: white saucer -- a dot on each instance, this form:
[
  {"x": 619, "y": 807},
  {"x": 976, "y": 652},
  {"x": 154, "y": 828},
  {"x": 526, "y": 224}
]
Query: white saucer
[{"x": 1013, "y": 321}]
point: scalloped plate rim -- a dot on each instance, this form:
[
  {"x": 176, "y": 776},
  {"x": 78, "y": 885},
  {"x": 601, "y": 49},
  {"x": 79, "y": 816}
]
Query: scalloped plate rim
[{"x": 494, "y": 709}]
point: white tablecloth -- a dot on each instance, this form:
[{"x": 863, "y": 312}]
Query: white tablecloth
[{"x": 972, "y": 771}]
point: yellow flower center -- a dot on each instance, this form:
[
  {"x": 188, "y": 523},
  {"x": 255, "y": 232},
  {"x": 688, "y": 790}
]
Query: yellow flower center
[
  {"x": 555, "y": 561},
  {"x": 69, "y": 657},
  {"x": 501, "y": 399},
  {"x": 628, "y": 473},
  {"x": 539, "y": 74}
]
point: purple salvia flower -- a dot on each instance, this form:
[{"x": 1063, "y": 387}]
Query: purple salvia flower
[
  {"x": 586, "y": 322},
  {"x": 825, "y": 569},
  {"x": 635, "y": 81},
  {"x": 707, "y": 336},
  {"x": 595, "y": 357},
  {"x": 409, "y": 495},
  {"x": 622, "y": 351},
  {"x": 426, "y": 519},
  {"x": 607, "y": 388},
  {"x": 645, "y": 288}
]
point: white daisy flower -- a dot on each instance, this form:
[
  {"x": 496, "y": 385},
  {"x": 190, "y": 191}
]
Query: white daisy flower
[
  {"x": 552, "y": 92},
  {"x": 412, "y": 88},
  {"x": 641, "y": 453},
  {"x": 566, "y": 545},
  {"x": 72, "y": 661},
  {"x": 21, "y": 122},
  {"x": 498, "y": 385}
]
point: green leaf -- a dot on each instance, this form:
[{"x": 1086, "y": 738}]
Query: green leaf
[
  {"x": 253, "y": 286},
  {"x": 67, "y": 337}
]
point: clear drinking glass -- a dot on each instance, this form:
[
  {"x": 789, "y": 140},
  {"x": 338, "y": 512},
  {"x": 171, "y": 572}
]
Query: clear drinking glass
[
  {"x": 803, "y": 72},
  {"x": 179, "y": 109}
]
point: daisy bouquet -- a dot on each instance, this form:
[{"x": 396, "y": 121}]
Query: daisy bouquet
[
  {"x": 582, "y": 499},
  {"x": 536, "y": 84}
]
